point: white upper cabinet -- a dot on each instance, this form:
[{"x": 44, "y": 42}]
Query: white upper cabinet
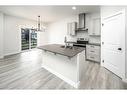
[
  {"x": 95, "y": 27},
  {"x": 71, "y": 28}
]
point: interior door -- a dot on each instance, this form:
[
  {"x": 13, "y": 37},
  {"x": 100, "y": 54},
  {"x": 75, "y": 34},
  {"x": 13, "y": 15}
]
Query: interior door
[{"x": 113, "y": 43}]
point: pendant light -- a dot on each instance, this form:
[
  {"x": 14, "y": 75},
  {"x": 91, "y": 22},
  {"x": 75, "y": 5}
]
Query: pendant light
[{"x": 39, "y": 26}]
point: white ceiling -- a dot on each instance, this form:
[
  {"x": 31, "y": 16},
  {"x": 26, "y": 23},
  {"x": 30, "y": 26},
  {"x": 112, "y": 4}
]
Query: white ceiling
[{"x": 47, "y": 13}]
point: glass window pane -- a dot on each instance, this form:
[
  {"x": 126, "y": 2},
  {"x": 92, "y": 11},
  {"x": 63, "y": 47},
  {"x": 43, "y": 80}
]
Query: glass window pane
[
  {"x": 33, "y": 39},
  {"x": 25, "y": 39}
]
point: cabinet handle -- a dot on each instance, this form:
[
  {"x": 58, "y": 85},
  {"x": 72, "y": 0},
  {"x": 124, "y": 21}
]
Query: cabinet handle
[
  {"x": 92, "y": 51},
  {"x": 119, "y": 48},
  {"x": 92, "y": 57},
  {"x": 92, "y": 46}
]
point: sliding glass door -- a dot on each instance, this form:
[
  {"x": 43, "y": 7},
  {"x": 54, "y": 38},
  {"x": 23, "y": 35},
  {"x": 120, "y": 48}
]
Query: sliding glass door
[
  {"x": 25, "y": 39},
  {"x": 28, "y": 39},
  {"x": 33, "y": 39}
]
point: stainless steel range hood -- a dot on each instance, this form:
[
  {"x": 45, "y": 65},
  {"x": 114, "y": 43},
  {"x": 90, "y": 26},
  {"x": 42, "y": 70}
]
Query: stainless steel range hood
[{"x": 81, "y": 26}]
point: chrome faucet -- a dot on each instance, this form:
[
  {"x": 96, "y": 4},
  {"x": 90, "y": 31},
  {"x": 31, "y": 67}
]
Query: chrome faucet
[{"x": 65, "y": 41}]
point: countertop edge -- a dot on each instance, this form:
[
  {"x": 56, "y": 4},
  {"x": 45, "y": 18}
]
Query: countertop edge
[
  {"x": 96, "y": 44},
  {"x": 40, "y": 47}
]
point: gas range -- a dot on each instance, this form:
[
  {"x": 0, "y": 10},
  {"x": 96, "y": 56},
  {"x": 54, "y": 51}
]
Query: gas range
[{"x": 81, "y": 43}]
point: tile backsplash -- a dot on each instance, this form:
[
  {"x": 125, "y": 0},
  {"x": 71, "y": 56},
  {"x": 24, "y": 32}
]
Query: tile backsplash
[{"x": 92, "y": 39}]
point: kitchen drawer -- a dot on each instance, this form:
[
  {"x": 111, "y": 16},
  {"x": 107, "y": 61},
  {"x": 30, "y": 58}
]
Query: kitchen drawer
[
  {"x": 93, "y": 57},
  {"x": 93, "y": 51},
  {"x": 93, "y": 47}
]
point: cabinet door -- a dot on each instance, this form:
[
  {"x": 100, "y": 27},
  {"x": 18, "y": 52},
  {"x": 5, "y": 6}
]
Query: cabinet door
[
  {"x": 95, "y": 27},
  {"x": 71, "y": 28},
  {"x": 68, "y": 28},
  {"x": 96, "y": 23},
  {"x": 93, "y": 53}
]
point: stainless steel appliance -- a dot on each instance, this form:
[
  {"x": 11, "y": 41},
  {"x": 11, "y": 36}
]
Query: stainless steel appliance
[
  {"x": 81, "y": 42},
  {"x": 81, "y": 22}
]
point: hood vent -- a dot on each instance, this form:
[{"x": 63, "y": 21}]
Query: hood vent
[{"x": 81, "y": 26}]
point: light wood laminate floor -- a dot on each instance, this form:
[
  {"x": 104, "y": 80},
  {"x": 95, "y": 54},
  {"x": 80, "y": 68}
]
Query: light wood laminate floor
[{"x": 23, "y": 71}]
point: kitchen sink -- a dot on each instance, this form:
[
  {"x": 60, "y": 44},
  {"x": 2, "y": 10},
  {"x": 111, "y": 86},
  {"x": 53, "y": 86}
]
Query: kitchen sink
[
  {"x": 69, "y": 47},
  {"x": 63, "y": 46}
]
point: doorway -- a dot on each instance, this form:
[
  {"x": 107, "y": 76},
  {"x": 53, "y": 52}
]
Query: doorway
[
  {"x": 28, "y": 39},
  {"x": 113, "y": 43}
]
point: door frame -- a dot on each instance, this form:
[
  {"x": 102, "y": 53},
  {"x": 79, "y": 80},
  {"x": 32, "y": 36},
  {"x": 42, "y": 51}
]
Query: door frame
[
  {"x": 29, "y": 39},
  {"x": 102, "y": 21}
]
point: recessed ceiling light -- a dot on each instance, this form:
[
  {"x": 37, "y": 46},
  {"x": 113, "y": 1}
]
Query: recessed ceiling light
[{"x": 74, "y": 8}]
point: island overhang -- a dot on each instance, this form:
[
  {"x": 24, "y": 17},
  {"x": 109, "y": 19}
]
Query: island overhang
[{"x": 58, "y": 49}]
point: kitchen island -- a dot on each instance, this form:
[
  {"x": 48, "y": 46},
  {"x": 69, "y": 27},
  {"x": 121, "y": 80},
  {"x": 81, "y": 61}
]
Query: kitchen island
[{"x": 66, "y": 63}]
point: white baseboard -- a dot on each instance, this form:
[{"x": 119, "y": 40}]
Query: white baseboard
[
  {"x": 124, "y": 80},
  {"x": 12, "y": 53},
  {"x": 101, "y": 64},
  {"x": 72, "y": 83},
  {"x": 1, "y": 57}
]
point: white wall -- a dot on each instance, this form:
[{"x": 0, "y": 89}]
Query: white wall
[
  {"x": 42, "y": 37},
  {"x": 1, "y": 35},
  {"x": 58, "y": 30},
  {"x": 12, "y": 33}
]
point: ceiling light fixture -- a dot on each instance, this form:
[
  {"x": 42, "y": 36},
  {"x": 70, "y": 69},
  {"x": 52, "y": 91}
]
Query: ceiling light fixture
[
  {"x": 39, "y": 26},
  {"x": 74, "y": 8}
]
